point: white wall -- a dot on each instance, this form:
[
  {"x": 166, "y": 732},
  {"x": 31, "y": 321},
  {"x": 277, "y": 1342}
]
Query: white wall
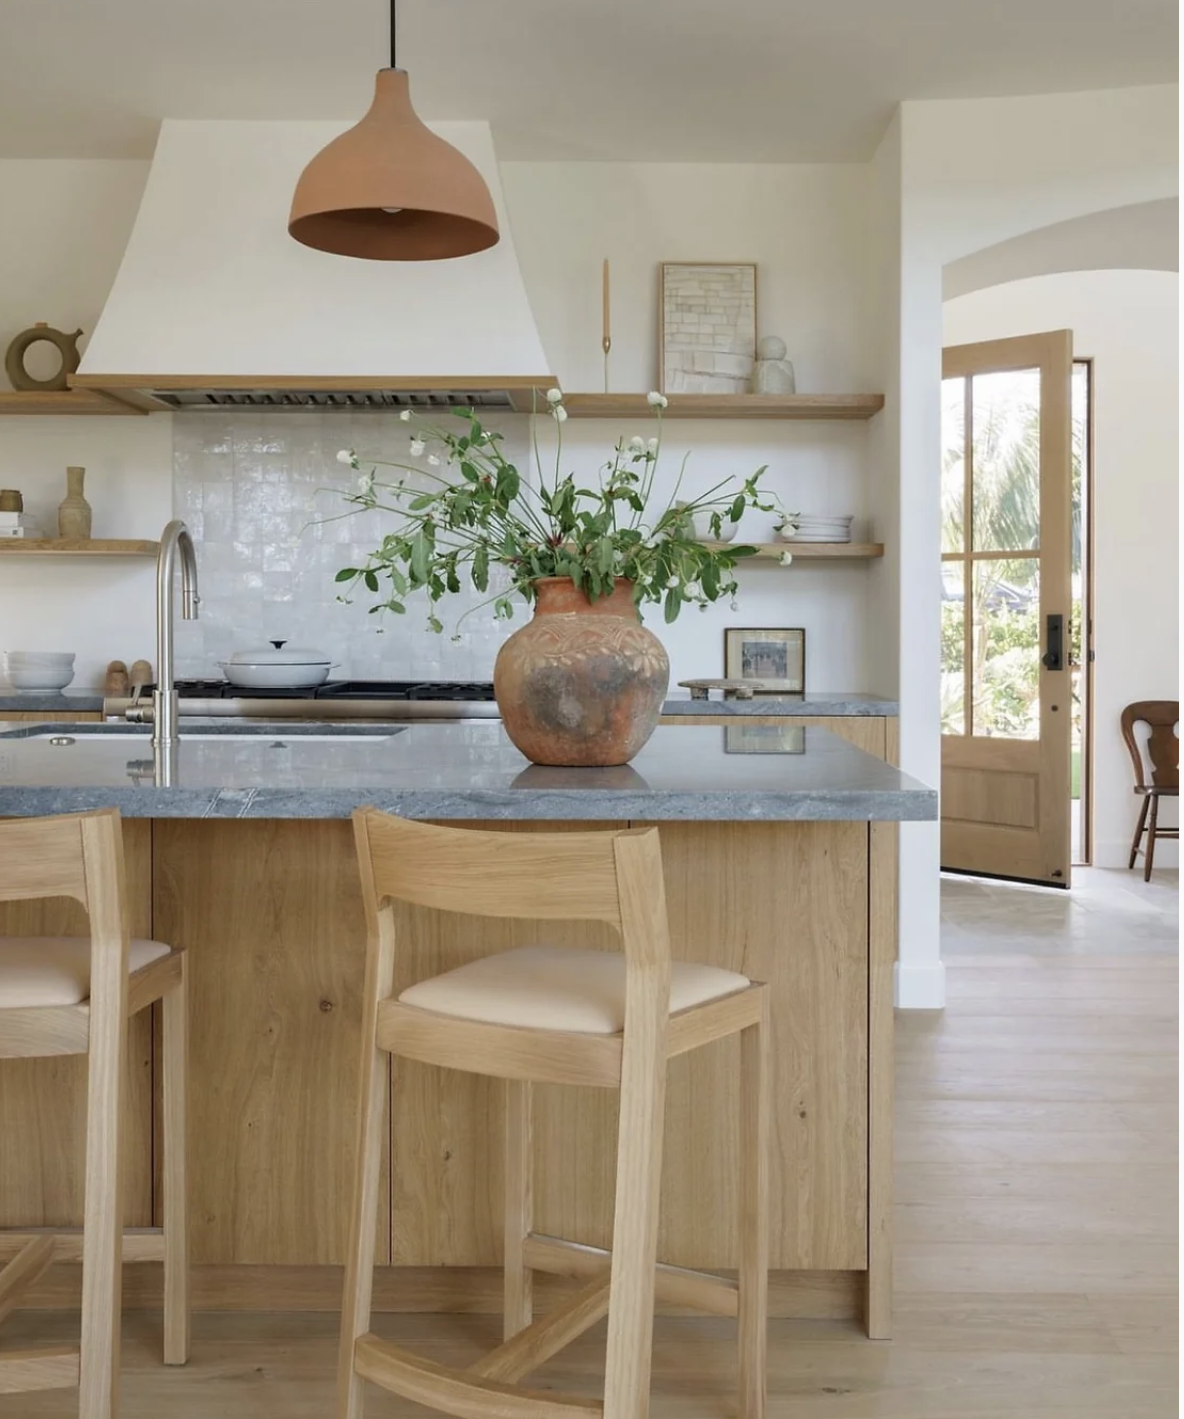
[
  {"x": 807, "y": 228},
  {"x": 63, "y": 227},
  {"x": 1128, "y": 321}
]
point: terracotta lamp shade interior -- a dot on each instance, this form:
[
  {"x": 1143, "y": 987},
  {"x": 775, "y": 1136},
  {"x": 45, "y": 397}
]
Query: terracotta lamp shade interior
[{"x": 389, "y": 189}]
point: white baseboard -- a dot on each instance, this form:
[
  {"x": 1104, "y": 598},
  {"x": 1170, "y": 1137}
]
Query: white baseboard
[
  {"x": 921, "y": 987},
  {"x": 1115, "y": 852}
]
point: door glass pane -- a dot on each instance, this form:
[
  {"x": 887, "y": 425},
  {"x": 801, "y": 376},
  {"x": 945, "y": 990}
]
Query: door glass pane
[
  {"x": 953, "y": 648},
  {"x": 1005, "y": 648},
  {"x": 1080, "y": 514},
  {"x": 1005, "y": 438},
  {"x": 953, "y": 463}
]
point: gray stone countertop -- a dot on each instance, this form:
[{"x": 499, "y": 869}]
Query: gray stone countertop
[
  {"x": 835, "y": 702},
  {"x": 839, "y": 703},
  {"x": 50, "y": 702},
  {"x": 237, "y": 769}
]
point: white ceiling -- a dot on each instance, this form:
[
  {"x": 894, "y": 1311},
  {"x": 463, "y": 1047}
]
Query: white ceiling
[{"x": 647, "y": 80}]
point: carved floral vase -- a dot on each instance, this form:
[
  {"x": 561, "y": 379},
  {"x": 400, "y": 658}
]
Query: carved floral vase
[{"x": 583, "y": 684}]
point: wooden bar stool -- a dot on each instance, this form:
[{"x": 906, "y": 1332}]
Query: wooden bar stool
[
  {"x": 71, "y": 995},
  {"x": 556, "y": 1015},
  {"x": 1163, "y": 750}
]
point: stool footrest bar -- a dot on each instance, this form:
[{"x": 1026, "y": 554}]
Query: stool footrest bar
[
  {"x": 456, "y": 1392},
  {"x": 673, "y": 1285}
]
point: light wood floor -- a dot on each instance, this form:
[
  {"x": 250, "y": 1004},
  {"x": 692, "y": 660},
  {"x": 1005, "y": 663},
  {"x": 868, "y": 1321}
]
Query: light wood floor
[{"x": 1036, "y": 1217}]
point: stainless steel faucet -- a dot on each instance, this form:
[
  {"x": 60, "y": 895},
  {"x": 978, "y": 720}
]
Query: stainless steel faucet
[{"x": 175, "y": 538}]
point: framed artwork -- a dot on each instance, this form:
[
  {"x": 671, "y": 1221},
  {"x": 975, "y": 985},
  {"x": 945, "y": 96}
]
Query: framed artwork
[
  {"x": 776, "y": 655},
  {"x": 744, "y": 738},
  {"x": 706, "y": 327}
]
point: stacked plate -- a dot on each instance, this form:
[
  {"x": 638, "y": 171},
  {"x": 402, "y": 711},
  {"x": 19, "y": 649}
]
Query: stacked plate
[
  {"x": 813, "y": 527},
  {"x": 32, "y": 671}
]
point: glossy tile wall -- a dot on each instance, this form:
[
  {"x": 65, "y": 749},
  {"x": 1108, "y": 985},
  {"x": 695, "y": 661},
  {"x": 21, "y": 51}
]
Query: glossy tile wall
[{"x": 262, "y": 494}]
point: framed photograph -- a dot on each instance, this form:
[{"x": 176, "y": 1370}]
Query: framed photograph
[
  {"x": 741, "y": 738},
  {"x": 772, "y": 654},
  {"x": 706, "y": 327}
]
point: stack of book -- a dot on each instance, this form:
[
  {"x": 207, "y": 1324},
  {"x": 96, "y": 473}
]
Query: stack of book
[{"x": 18, "y": 524}]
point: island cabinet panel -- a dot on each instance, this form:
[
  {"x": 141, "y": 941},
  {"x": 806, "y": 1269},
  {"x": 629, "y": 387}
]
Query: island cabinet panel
[
  {"x": 43, "y": 1101},
  {"x": 867, "y": 732},
  {"x": 271, "y": 914}
]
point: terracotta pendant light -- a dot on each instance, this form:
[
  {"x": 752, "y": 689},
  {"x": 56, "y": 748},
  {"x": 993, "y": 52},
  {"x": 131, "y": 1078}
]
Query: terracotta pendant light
[{"x": 390, "y": 190}]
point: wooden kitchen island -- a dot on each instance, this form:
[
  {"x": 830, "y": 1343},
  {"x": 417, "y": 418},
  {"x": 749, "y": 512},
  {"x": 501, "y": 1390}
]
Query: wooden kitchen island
[{"x": 780, "y": 865}]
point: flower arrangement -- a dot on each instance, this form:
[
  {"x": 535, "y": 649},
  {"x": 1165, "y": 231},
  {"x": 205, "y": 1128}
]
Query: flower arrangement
[{"x": 463, "y": 508}]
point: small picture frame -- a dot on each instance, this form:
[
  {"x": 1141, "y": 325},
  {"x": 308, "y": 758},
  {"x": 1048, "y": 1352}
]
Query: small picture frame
[
  {"x": 706, "y": 327},
  {"x": 775, "y": 654},
  {"x": 741, "y": 738}
]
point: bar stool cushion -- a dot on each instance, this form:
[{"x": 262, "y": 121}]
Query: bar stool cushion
[
  {"x": 558, "y": 988},
  {"x": 37, "y": 971}
]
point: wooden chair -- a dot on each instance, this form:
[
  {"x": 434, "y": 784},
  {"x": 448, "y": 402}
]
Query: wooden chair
[
  {"x": 68, "y": 995},
  {"x": 564, "y": 1016},
  {"x": 1163, "y": 750}
]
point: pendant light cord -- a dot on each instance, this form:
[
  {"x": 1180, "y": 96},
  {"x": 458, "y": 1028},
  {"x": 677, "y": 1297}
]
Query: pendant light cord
[{"x": 394, "y": 35}]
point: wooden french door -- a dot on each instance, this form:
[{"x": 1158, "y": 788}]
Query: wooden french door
[{"x": 1006, "y": 530}]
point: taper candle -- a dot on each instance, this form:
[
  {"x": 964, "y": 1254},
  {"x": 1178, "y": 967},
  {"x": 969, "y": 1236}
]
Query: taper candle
[{"x": 608, "y": 335}]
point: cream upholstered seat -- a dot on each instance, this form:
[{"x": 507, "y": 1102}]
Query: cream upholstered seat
[
  {"x": 40, "y": 971},
  {"x": 558, "y": 988}
]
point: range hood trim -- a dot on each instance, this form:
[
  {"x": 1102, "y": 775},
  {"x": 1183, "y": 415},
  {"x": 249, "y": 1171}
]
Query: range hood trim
[{"x": 520, "y": 394}]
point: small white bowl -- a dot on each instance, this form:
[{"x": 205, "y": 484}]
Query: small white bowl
[
  {"x": 41, "y": 680},
  {"x": 39, "y": 657}
]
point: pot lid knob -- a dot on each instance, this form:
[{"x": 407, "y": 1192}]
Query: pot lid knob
[{"x": 279, "y": 645}]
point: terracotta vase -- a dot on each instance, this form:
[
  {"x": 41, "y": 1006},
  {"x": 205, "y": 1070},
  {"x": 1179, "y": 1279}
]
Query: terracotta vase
[
  {"x": 583, "y": 684},
  {"x": 74, "y": 514}
]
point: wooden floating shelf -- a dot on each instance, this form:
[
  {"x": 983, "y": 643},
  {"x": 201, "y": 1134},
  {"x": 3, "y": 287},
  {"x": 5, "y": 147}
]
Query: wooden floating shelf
[
  {"x": 78, "y": 547},
  {"x": 64, "y": 401},
  {"x": 727, "y": 406},
  {"x": 810, "y": 551}
]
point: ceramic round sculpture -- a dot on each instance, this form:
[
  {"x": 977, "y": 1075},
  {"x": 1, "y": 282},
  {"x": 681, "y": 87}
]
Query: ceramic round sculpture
[
  {"x": 14, "y": 360},
  {"x": 582, "y": 685}
]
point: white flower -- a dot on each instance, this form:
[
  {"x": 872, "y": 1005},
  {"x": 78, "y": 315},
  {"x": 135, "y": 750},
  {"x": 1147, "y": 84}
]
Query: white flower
[
  {"x": 672, "y": 583},
  {"x": 417, "y": 448},
  {"x": 554, "y": 396},
  {"x": 433, "y": 460},
  {"x": 405, "y": 415},
  {"x": 636, "y": 445},
  {"x": 656, "y": 400},
  {"x": 694, "y": 589},
  {"x": 348, "y": 456},
  {"x": 653, "y": 445},
  {"x": 735, "y": 604},
  {"x": 559, "y": 414},
  {"x": 787, "y": 559}
]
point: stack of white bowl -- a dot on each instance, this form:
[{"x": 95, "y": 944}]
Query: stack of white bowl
[
  {"x": 33, "y": 672},
  {"x": 812, "y": 527}
]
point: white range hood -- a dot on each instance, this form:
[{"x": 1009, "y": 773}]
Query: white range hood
[{"x": 215, "y": 304}]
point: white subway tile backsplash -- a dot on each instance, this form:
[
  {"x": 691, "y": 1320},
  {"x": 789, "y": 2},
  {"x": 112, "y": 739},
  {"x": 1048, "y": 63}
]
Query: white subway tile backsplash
[{"x": 262, "y": 495}]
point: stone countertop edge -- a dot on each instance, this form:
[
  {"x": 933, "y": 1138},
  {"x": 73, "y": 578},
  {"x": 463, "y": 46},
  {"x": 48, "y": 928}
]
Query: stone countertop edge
[
  {"x": 517, "y": 805},
  {"x": 51, "y": 702},
  {"x": 838, "y": 704}
]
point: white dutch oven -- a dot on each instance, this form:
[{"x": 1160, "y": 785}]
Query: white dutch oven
[{"x": 277, "y": 667}]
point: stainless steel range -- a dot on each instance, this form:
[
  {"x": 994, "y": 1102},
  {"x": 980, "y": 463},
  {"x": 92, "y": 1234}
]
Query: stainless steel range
[{"x": 336, "y": 699}]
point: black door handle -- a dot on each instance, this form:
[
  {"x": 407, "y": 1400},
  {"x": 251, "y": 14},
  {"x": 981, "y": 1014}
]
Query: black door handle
[{"x": 1054, "y": 657}]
